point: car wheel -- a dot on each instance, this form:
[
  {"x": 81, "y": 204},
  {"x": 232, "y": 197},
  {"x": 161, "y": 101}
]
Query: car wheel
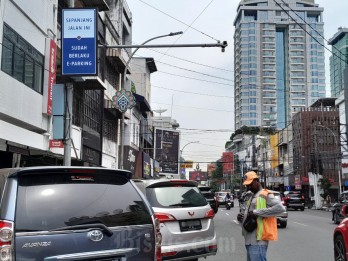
[
  {"x": 302, "y": 209},
  {"x": 196, "y": 259},
  {"x": 339, "y": 249},
  {"x": 336, "y": 218},
  {"x": 283, "y": 224}
]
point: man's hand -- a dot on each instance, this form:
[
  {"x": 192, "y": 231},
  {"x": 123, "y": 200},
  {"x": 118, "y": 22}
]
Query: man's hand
[
  {"x": 240, "y": 217},
  {"x": 251, "y": 214}
]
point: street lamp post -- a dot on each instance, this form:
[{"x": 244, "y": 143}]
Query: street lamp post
[
  {"x": 338, "y": 165},
  {"x": 124, "y": 86},
  {"x": 197, "y": 141}
]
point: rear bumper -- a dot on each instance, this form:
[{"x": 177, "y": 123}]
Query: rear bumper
[
  {"x": 296, "y": 205},
  {"x": 189, "y": 250}
]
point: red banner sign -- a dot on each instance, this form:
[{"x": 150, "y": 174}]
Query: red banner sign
[{"x": 51, "y": 75}]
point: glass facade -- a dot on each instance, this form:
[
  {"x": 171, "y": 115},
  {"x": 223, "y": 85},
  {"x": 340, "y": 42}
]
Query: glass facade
[{"x": 280, "y": 63}]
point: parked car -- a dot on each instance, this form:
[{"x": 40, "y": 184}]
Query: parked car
[
  {"x": 340, "y": 238},
  {"x": 187, "y": 224},
  {"x": 282, "y": 218},
  {"x": 336, "y": 208},
  {"x": 75, "y": 213},
  {"x": 209, "y": 197},
  {"x": 295, "y": 200}
]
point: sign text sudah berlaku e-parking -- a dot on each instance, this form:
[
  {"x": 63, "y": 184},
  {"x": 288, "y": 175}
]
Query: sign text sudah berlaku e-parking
[{"x": 79, "y": 42}]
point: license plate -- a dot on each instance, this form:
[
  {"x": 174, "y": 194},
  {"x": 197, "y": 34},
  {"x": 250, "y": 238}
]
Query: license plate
[{"x": 190, "y": 225}]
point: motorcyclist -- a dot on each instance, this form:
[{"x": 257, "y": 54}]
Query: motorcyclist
[{"x": 228, "y": 197}]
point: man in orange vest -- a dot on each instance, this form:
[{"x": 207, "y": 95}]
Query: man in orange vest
[{"x": 264, "y": 207}]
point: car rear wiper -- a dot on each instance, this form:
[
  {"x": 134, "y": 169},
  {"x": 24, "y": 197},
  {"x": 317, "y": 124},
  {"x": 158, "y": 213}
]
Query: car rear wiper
[
  {"x": 182, "y": 204},
  {"x": 107, "y": 230}
]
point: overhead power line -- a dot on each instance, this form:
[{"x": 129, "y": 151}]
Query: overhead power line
[
  {"x": 304, "y": 29},
  {"x": 178, "y": 20},
  {"x": 314, "y": 29}
]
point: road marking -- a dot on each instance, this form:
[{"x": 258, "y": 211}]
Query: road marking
[
  {"x": 236, "y": 221},
  {"x": 227, "y": 214},
  {"x": 300, "y": 224}
]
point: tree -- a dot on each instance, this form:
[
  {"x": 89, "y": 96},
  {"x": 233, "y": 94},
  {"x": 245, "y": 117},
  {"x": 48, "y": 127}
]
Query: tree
[
  {"x": 217, "y": 176},
  {"x": 325, "y": 185}
]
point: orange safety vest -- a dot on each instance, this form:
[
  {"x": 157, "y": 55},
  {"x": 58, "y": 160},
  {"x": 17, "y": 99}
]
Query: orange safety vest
[{"x": 267, "y": 228}]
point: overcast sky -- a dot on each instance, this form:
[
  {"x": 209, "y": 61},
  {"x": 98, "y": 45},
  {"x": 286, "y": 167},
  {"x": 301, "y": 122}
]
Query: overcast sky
[{"x": 195, "y": 85}]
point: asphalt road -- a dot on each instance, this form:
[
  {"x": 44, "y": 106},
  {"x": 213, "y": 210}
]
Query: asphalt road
[{"x": 308, "y": 237}]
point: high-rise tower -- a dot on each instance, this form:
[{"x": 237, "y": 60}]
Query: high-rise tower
[
  {"x": 338, "y": 61},
  {"x": 279, "y": 60}
]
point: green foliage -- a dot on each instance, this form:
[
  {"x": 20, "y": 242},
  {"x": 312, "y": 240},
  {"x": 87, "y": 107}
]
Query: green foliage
[
  {"x": 133, "y": 88},
  {"x": 216, "y": 177},
  {"x": 254, "y": 131},
  {"x": 325, "y": 185}
]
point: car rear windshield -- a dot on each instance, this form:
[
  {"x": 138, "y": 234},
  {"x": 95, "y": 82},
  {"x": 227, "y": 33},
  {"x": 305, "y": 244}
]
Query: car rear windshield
[
  {"x": 169, "y": 197},
  {"x": 46, "y": 202},
  {"x": 208, "y": 195}
]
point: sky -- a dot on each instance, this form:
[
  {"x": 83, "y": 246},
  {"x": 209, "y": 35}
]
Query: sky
[{"x": 194, "y": 84}]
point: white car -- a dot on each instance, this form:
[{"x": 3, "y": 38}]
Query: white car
[{"x": 187, "y": 224}]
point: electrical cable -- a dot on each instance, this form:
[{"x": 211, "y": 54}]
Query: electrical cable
[{"x": 178, "y": 20}]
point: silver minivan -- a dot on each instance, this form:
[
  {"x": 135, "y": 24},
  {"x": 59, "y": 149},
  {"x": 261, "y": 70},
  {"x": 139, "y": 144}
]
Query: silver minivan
[
  {"x": 187, "y": 224},
  {"x": 75, "y": 213}
]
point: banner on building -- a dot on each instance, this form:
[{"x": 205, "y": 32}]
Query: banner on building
[
  {"x": 167, "y": 150},
  {"x": 273, "y": 141},
  {"x": 147, "y": 167},
  {"x": 198, "y": 175}
]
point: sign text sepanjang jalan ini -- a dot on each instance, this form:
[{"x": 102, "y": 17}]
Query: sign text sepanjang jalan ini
[{"x": 79, "y": 42}]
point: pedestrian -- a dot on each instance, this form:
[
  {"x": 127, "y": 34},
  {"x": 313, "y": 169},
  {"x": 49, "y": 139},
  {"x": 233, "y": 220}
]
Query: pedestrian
[{"x": 264, "y": 207}]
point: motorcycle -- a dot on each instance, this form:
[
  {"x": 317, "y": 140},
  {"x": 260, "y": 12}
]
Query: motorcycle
[{"x": 229, "y": 204}]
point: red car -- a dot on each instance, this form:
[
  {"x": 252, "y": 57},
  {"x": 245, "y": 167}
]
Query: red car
[{"x": 340, "y": 238}]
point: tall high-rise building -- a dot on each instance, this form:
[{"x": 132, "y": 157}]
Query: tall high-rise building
[
  {"x": 338, "y": 60},
  {"x": 279, "y": 60}
]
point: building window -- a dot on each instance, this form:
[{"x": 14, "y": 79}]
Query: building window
[
  {"x": 21, "y": 60},
  {"x": 92, "y": 105}
]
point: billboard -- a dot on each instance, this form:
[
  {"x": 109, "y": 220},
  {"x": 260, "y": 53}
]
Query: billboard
[
  {"x": 227, "y": 165},
  {"x": 198, "y": 175},
  {"x": 79, "y": 41},
  {"x": 167, "y": 150}
]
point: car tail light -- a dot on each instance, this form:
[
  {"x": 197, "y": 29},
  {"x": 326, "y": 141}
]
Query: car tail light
[
  {"x": 212, "y": 247},
  {"x": 302, "y": 197},
  {"x": 164, "y": 217},
  {"x": 6, "y": 240},
  {"x": 158, "y": 240},
  {"x": 209, "y": 214},
  {"x": 173, "y": 253}
]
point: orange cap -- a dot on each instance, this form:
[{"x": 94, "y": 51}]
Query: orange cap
[{"x": 249, "y": 177}]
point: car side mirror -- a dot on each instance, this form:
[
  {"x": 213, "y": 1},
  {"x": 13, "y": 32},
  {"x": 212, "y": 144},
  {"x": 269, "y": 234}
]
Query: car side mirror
[{"x": 345, "y": 211}]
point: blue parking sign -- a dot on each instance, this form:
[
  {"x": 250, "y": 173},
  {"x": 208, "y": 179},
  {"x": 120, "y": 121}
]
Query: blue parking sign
[{"x": 79, "y": 42}]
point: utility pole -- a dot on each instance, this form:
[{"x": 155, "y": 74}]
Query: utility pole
[
  {"x": 69, "y": 87},
  {"x": 223, "y": 45}
]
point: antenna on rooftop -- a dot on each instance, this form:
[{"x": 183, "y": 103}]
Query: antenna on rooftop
[{"x": 160, "y": 111}]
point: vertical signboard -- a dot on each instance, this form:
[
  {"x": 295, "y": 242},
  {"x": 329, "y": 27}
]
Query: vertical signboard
[
  {"x": 79, "y": 42},
  {"x": 167, "y": 150},
  {"x": 298, "y": 182},
  {"x": 146, "y": 166},
  {"x": 50, "y": 74}
]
